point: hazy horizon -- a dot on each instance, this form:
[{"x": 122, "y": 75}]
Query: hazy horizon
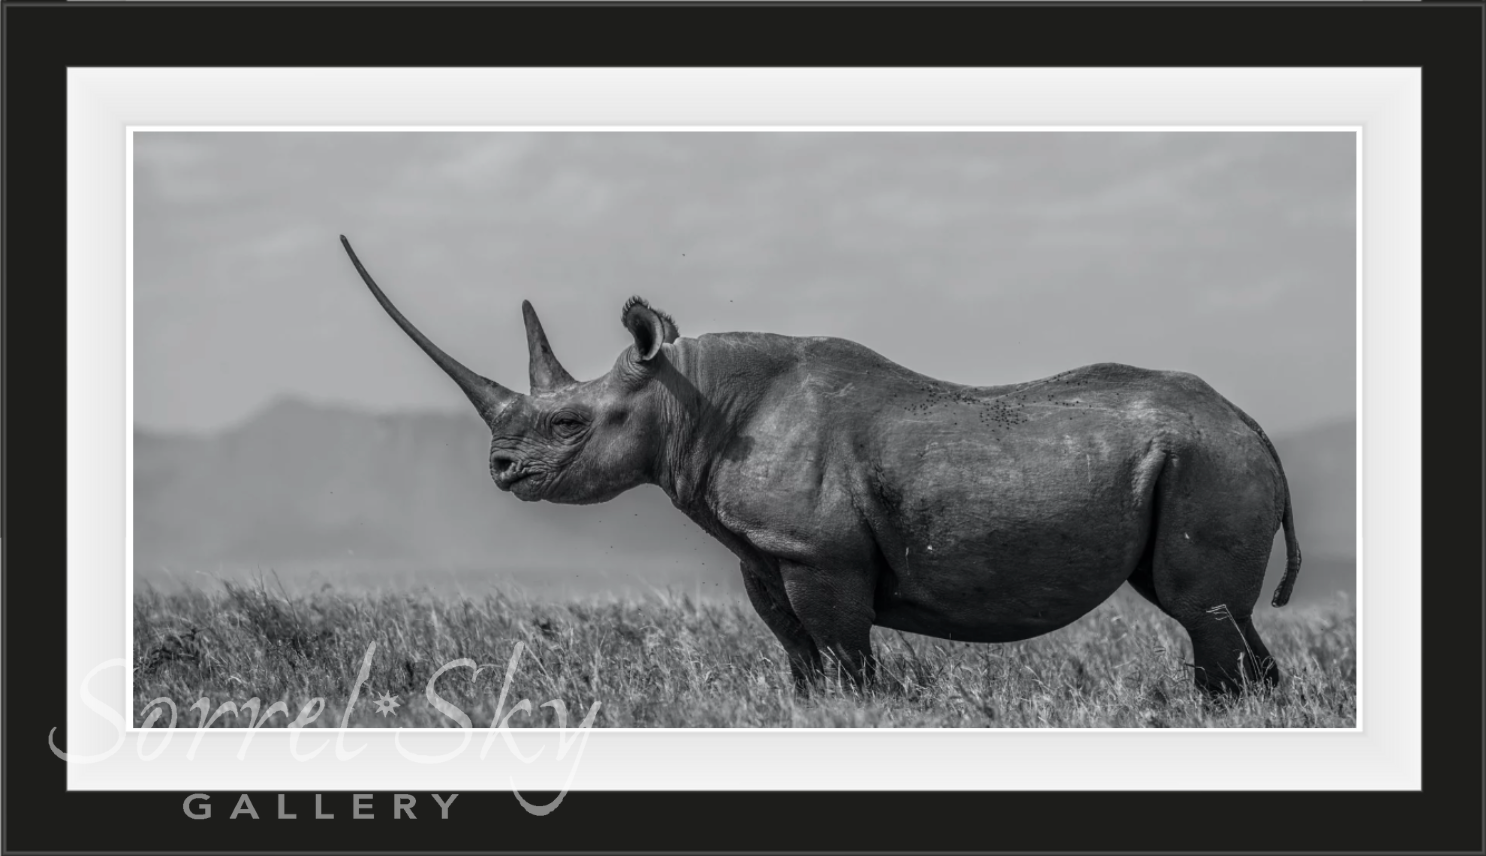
[{"x": 281, "y": 399}]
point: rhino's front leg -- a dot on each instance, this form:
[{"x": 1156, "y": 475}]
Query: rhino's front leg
[
  {"x": 804, "y": 657},
  {"x": 836, "y": 609}
]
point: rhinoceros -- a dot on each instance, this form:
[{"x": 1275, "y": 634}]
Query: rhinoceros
[{"x": 856, "y": 492}]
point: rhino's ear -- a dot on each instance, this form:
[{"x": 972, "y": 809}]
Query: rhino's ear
[{"x": 650, "y": 327}]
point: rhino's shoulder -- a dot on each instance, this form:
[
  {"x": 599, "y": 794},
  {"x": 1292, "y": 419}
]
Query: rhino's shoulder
[
  {"x": 807, "y": 354},
  {"x": 782, "y": 345}
]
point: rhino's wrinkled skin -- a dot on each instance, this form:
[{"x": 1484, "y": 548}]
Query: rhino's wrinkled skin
[{"x": 857, "y": 492}]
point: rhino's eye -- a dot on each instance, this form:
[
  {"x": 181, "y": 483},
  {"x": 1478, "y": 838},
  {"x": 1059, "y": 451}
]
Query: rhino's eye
[{"x": 567, "y": 424}]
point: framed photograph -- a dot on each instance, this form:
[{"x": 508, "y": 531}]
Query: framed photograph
[{"x": 1015, "y": 415}]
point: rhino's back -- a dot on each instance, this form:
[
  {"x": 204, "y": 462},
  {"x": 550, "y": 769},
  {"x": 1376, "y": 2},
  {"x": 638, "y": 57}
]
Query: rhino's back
[
  {"x": 1064, "y": 441},
  {"x": 840, "y": 405},
  {"x": 850, "y": 380}
]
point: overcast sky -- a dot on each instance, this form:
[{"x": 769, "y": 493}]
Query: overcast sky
[{"x": 974, "y": 257}]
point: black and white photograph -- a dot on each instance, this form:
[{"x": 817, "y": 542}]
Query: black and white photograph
[
  {"x": 745, "y": 429},
  {"x": 972, "y": 427}
]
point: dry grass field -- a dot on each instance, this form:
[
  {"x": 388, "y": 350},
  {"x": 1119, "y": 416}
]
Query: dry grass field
[{"x": 672, "y": 660}]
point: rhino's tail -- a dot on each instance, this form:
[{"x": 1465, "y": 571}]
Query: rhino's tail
[
  {"x": 1292, "y": 551},
  {"x": 1292, "y": 544}
]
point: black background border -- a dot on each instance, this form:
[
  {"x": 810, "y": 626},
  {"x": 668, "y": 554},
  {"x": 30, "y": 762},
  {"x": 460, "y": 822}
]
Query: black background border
[{"x": 43, "y": 39}]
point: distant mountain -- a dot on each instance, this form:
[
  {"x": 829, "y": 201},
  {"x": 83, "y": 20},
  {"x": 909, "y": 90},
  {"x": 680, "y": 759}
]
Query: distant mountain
[
  {"x": 1320, "y": 465},
  {"x": 303, "y": 485}
]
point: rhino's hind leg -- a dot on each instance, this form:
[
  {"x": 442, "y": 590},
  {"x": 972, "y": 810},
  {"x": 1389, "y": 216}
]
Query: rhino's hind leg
[
  {"x": 1269, "y": 671},
  {"x": 804, "y": 657},
  {"x": 1213, "y": 533},
  {"x": 836, "y": 609},
  {"x": 1229, "y": 657}
]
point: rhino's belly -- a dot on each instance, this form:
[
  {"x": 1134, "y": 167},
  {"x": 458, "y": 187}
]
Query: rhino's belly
[
  {"x": 986, "y": 576},
  {"x": 993, "y": 542},
  {"x": 999, "y": 610}
]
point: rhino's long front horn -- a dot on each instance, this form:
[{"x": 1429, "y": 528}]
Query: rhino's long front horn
[{"x": 488, "y": 396}]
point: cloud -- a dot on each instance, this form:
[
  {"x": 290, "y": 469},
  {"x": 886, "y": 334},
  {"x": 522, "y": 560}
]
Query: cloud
[
  {"x": 175, "y": 168},
  {"x": 1253, "y": 297}
]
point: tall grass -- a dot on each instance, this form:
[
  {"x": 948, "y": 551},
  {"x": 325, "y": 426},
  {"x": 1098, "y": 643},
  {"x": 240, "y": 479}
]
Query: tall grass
[{"x": 671, "y": 660}]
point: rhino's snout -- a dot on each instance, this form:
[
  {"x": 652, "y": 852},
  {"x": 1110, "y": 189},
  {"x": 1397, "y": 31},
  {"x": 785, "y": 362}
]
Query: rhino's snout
[{"x": 506, "y": 471}]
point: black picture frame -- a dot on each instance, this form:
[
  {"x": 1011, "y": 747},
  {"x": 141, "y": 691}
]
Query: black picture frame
[{"x": 44, "y": 39}]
